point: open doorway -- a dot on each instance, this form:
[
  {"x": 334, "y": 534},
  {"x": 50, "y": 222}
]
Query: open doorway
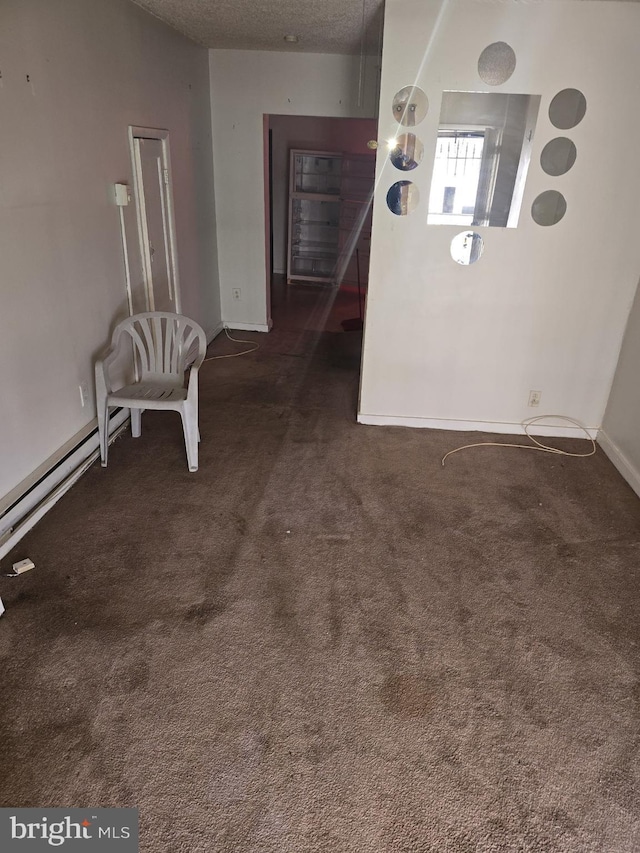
[{"x": 319, "y": 180}]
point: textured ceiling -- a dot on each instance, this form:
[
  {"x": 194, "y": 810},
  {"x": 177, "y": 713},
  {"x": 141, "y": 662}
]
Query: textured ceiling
[{"x": 322, "y": 26}]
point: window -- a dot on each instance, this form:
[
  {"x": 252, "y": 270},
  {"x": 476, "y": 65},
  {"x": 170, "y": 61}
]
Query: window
[{"x": 456, "y": 177}]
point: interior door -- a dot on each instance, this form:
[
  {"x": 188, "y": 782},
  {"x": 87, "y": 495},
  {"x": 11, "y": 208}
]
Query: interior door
[{"x": 155, "y": 237}]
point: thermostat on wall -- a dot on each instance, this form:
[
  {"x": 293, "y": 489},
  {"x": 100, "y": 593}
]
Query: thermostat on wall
[{"x": 123, "y": 194}]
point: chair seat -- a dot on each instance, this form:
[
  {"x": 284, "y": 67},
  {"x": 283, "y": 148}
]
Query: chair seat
[{"x": 148, "y": 391}]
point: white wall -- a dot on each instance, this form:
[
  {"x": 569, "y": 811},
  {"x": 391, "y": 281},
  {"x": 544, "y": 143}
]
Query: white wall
[
  {"x": 620, "y": 437},
  {"x": 94, "y": 68},
  {"x": 246, "y": 86},
  {"x": 545, "y": 307},
  {"x": 347, "y": 135}
]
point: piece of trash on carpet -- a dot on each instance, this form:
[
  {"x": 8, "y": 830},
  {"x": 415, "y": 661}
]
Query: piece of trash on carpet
[{"x": 21, "y": 567}]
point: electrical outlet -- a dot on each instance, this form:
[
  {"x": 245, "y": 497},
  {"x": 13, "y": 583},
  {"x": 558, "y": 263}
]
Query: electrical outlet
[
  {"x": 84, "y": 393},
  {"x": 534, "y": 398},
  {"x": 237, "y": 294}
]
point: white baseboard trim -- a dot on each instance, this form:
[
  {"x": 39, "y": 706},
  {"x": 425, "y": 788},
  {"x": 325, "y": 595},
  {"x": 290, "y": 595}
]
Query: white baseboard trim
[
  {"x": 38, "y": 493},
  {"x": 621, "y": 462},
  {"x": 248, "y": 327},
  {"x": 550, "y": 430}
]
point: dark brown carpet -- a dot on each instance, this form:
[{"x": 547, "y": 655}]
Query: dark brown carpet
[{"x": 324, "y": 641}]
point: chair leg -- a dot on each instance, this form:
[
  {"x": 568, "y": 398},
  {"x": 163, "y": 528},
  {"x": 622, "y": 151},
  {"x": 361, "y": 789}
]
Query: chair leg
[
  {"x": 103, "y": 432},
  {"x": 189, "y": 415},
  {"x": 136, "y": 422}
]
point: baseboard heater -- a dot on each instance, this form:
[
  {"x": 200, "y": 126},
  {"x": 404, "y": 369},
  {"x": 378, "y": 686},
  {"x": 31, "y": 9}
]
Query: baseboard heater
[{"x": 26, "y": 504}]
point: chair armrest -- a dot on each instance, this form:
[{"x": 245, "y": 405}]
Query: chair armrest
[
  {"x": 192, "y": 385},
  {"x": 103, "y": 363}
]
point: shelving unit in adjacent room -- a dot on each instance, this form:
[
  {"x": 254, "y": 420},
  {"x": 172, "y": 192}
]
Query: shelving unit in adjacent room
[
  {"x": 314, "y": 215},
  {"x": 329, "y": 216}
]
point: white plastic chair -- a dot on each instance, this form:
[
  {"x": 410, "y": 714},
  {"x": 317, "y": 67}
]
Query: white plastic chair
[{"x": 164, "y": 345}]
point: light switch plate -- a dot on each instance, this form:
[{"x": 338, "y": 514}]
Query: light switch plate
[{"x": 123, "y": 194}]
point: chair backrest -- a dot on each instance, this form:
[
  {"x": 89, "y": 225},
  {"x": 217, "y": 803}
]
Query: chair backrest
[{"x": 163, "y": 343}]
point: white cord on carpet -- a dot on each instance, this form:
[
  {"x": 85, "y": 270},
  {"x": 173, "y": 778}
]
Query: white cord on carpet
[
  {"x": 537, "y": 445},
  {"x": 254, "y": 347}
]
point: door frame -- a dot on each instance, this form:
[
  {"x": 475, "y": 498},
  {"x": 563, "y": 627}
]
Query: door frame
[{"x": 162, "y": 135}]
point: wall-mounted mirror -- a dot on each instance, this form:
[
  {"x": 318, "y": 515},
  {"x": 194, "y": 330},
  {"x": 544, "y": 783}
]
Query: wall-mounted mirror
[
  {"x": 409, "y": 106},
  {"x": 567, "y": 109},
  {"x": 482, "y": 158},
  {"x": 497, "y": 63},
  {"x": 467, "y": 247},
  {"x": 558, "y": 156},
  {"x": 403, "y": 198},
  {"x": 406, "y": 152},
  {"x": 549, "y": 208}
]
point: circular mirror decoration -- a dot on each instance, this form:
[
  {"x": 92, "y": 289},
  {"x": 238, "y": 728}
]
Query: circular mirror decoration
[
  {"x": 409, "y": 106},
  {"x": 567, "y": 109},
  {"x": 467, "y": 247},
  {"x": 403, "y": 198},
  {"x": 558, "y": 156},
  {"x": 407, "y": 153},
  {"x": 497, "y": 63},
  {"x": 549, "y": 208}
]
